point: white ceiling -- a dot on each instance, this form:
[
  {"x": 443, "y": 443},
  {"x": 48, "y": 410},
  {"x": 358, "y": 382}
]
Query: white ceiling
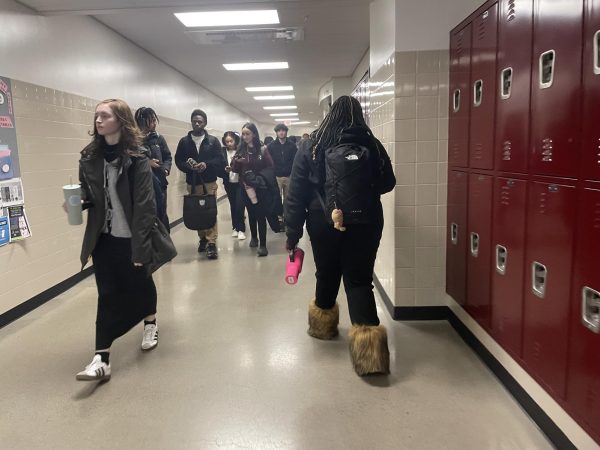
[{"x": 336, "y": 39}]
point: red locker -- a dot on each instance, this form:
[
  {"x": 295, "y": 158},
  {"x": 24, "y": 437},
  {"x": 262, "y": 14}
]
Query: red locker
[
  {"x": 591, "y": 92},
  {"x": 515, "y": 31},
  {"x": 556, "y": 88},
  {"x": 479, "y": 248},
  {"x": 583, "y": 394},
  {"x": 460, "y": 76},
  {"x": 508, "y": 262},
  {"x": 483, "y": 89},
  {"x": 456, "y": 244},
  {"x": 549, "y": 243}
]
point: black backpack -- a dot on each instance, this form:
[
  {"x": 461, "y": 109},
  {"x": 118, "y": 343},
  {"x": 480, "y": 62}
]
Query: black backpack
[{"x": 351, "y": 172}]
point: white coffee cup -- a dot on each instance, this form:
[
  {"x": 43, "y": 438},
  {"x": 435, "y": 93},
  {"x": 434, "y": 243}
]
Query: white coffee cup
[{"x": 72, "y": 194}]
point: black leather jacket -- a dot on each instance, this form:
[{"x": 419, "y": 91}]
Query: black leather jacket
[
  {"x": 308, "y": 178},
  {"x": 140, "y": 215}
]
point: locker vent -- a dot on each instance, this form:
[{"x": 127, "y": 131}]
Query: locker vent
[
  {"x": 596, "y": 219},
  {"x": 511, "y": 13},
  {"x": 507, "y": 151},
  {"x": 598, "y": 154},
  {"x": 505, "y": 192},
  {"x": 543, "y": 203},
  {"x": 481, "y": 32},
  {"x": 547, "y": 150}
]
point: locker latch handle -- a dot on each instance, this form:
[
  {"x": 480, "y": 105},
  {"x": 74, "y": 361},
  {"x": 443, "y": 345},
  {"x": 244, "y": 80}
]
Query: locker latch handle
[
  {"x": 456, "y": 101},
  {"x": 539, "y": 277},
  {"x": 547, "y": 62},
  {"x": 501, "y": 259},
  {"x": 454, "y": 233},
  {"x": 597, "y": 53},
  {"x": 506, "y": 79},
  {"x": 478, "y": 92},
  {"x": 475, "y": 244},
  {"x": 590, "y": 309}
]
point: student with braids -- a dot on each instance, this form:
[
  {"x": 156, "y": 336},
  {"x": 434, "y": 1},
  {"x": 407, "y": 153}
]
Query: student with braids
[
  {"x": 349, "y": 254},
  {"x": 159, "y": 155}
]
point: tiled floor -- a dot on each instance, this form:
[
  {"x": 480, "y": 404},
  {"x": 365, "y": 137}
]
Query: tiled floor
[{"x": 236, "y": 369}]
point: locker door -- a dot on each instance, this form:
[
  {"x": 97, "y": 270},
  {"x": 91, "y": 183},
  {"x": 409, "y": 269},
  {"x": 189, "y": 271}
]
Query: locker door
[
  {"x": 508, "y": 261},
  {"x": 479, "y": 247},
  {"x": 583, "y": 392},
  {"x": 591, "y": 89},
  {"x": 550, "y": 226},
  {"x": 456, "y": 243},
  {"x": 460, "y": 76},
  {"x": 515, "y": 31},
  {"x": 556, "y": 88},
  {"x": 483, "y": 89}
]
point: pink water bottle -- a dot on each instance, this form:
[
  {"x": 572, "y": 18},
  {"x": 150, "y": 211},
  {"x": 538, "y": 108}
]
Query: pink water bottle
[{"x": 294, "y": 265}]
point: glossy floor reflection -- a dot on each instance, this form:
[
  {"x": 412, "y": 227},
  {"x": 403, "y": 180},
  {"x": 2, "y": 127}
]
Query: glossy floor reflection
[{"x": 235, "y": 369}]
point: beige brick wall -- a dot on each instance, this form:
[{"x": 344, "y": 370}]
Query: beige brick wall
[{"x": 409, "y": 104}]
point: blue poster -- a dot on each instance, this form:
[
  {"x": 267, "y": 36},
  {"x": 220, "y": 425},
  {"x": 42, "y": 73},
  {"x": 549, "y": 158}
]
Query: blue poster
[{"x": 4, "y": 231}]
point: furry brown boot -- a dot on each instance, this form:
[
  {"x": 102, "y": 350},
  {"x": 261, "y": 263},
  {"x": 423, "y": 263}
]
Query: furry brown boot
[
  {"x": 369, "y": 349},
  {"x": 322, "y": 323}
]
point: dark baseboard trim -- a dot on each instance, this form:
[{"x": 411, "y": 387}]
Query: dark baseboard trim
[
  {"x": 410, "y": 312},
  {"x": 537, "y": 414},
  {"x": 29, "y": 305}
]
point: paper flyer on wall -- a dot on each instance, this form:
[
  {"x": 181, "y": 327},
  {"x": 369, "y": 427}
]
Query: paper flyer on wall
[
  {"x": 11, "y": 192},
  {"x": 19, "y": 225},
  {"x": 4, "y": 231}
]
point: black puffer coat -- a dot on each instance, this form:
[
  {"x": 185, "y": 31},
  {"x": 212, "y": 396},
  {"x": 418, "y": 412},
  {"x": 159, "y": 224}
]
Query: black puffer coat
[{"x": 308, "y": 178}]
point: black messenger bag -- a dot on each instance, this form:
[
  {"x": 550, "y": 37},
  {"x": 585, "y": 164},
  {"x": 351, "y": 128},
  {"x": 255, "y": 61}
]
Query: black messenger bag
[{"x": 199, "y": 210}]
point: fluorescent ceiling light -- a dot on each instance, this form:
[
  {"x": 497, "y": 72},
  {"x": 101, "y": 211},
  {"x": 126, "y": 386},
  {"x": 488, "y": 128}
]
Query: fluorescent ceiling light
[
  {"x": 227, "y": 18},
  {"x": 274, "y": 97},
  {"x": 279, "y": 107},
  {"x": 257, "y": 66},
  {"x": 287, "y": 119},
  {"x": 287, "y": 114},
  {"x": 302, "y": 122},
  {"x": 270, "y": 88}
]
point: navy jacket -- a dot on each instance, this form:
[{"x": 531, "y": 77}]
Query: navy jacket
[
  {"x": 283, "y": 156},
  {"x": 210, "y": 153}
]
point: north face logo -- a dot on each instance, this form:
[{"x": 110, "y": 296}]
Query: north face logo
[{"x": 352, "y": 157}]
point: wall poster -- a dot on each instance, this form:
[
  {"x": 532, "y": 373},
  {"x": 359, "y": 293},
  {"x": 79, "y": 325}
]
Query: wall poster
[{"x": 9, "y": 161}]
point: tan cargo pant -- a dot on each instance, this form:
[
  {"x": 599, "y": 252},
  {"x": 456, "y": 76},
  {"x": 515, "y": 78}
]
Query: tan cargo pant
[
  {"x": 210, "y": 234},
  {"x": 284, "y": 184}
]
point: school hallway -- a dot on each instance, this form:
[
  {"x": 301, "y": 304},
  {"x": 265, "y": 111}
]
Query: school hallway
[{"x": 235, "y": 368}]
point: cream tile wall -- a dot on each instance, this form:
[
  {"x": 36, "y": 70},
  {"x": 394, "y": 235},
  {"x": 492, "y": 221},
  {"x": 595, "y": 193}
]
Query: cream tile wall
[
  {"x": 409, "y": 113},
  {"x": 52, "y": 128}
]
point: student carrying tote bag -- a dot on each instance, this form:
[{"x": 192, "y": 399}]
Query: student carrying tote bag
[{"x": 199, "y": 210}]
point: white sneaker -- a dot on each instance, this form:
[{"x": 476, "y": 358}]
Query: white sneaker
[
  {"x": 150, "y": 337},
  {"x": 95, "y": 371},
  {"x": 234, "y": 234},
  {"x": 241, "y": 236}
]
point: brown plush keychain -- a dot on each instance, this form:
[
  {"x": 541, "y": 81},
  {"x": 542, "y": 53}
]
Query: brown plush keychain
[{"x": 337, "y": 216}]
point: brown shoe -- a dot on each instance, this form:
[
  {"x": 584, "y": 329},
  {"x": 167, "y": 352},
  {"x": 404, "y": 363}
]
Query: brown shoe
[
  {"x": 322, "y": 323},
  {"x": 369, "y": 349}
]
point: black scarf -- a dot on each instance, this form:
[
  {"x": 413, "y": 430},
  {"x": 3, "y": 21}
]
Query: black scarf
[{"x": 111, "y": 152}]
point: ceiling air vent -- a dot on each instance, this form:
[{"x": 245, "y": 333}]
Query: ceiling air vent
[{"x": 211, "y": 37}]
